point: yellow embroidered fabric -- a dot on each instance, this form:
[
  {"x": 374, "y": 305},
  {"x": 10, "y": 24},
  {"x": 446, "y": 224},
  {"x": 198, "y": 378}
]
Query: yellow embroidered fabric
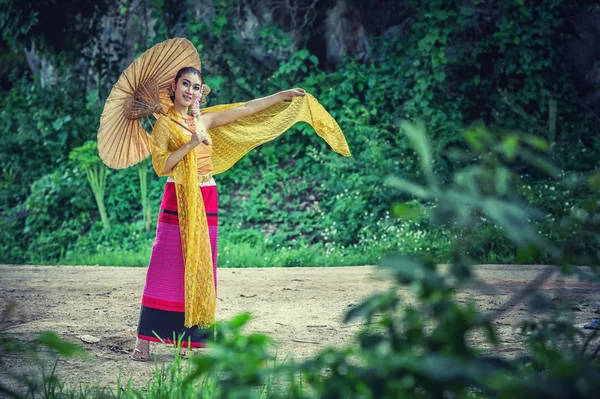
[
  {"x": 200, "y": 299},
  {"x": 234, "y": 140},
  {"x": 230, "y": 143}
]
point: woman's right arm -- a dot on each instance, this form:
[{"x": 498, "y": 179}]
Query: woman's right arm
[
  {"x": 163, "y": 158},
  {"x": 177, "y": 155}
]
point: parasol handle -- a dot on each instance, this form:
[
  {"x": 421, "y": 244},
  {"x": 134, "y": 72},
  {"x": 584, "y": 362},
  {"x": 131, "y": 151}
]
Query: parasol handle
[{"x": 205, "y": 142}]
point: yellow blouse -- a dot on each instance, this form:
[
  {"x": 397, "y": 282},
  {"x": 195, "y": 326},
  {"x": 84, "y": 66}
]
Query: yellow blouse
[
  {"x": 229, "y": 144},
  {"x": 204, "y": 159},
  {"x": 203, "y": 156}
]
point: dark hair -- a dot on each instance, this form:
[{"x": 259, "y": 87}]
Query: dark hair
[{"x": 185, "y": 70}]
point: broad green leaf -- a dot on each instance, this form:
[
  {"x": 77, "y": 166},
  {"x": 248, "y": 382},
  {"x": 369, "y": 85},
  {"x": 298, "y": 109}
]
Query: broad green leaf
[
  {"x": 407, "y": 210},
  {"x": 536, "y": 142},
  {"x": 221, "y": 20},
  {"x": 478, "y": 137},
  {"x": 240, "y": 320},
  {"x": 511, "y": 146}
]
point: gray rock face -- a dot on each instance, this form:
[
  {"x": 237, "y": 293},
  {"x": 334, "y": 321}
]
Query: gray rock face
[{"x": 583, "y": 55}]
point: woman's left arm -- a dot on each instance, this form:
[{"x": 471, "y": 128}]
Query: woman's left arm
[{"x": 251, "y": 107}]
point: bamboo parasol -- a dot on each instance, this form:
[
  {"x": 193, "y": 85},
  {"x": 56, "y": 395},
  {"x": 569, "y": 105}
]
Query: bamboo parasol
[{"x": 142, "y": 90}]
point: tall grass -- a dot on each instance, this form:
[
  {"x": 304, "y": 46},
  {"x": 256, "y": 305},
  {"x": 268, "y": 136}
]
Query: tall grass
[
  {"x": 405, "y": 237},
  {"x": 118, "y": 257},
  {"x": 246, "y": 255},
  {"x": 242, "y": 255},
  {"x": 168, "y": 382}
]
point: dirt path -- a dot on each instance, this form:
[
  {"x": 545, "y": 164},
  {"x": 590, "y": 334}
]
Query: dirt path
[{"x": 300, "y": 308}]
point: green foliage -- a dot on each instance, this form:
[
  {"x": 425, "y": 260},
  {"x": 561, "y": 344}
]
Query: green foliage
[
  {"x": 120, "y": 244},
  {"x": 37, "y": 139},
  {"x": 239, "y": 361},
  {"x": 143, "y": 175},
  {"x": 417, "y": 339},
  {"x": 456, "y": 64},
  {"x": 46, "y": 345},
  {"x": 54, "y": 213},
  {"x": 89, "y": 160},
  {"x": 523, "y": 192}
]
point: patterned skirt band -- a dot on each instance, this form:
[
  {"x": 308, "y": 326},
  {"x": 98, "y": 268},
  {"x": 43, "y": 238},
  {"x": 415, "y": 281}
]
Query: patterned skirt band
[{"x": 203, "y": 180}]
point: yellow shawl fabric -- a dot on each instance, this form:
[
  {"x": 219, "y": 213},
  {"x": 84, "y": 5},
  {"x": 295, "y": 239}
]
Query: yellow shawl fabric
[{"x": 230, "y": 143}]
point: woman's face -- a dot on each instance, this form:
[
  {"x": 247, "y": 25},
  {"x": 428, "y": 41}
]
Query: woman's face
[{"x": 187, "y": 89}]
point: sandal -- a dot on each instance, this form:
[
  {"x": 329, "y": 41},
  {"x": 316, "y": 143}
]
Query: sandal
[
  {"x": 140, "y": 356},
  {"x": 141, "y": 353},
  {"x": 183, "y": 353}
]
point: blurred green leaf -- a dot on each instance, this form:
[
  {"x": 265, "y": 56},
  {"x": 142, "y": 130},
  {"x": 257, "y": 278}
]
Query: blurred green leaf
[
  {"x": 503, "y": 178},
  {"x": 240, "y": 320},
  {"x": 221, "y": 20},
  {"x": 416, "y": 134},
  {"x": 478, "y": 137},
  {"x": 540, "y": 303},
  {"x": 594, "y": 182},
  {"x": 511, "y": 146},
  {"x": 54, "y": 342},
  {"x": 408, "y": 187},
  {"x": 461, "y": 272},
  {"x": 536, "y": 142},
  {"x": 542, "y": 164},
  {"x": 372, "y": 306},
  {"x": 407, "y": 210}
]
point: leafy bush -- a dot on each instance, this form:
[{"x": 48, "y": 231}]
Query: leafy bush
[
  {"x": 424, "y": 347},
  {"x": 58, "y": 211},
  {"x": 502, "y": 63},
  {"x": 424, "y": 350}
]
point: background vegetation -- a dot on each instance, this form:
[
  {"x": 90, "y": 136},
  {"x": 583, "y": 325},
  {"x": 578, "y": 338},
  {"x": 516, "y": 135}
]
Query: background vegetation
[
  {"x": 417, "y": 340},
  {"x": 507, "y": 91},
  {"x": 528, "y": 70}
]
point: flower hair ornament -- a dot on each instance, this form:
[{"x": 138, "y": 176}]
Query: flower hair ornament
[
  {"x": 200, "y": 101},
  {"x": 195, "y": 108}
]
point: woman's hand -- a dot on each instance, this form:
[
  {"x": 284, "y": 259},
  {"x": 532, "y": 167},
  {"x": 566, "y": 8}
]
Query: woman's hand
[
  {"x": 198, "y": 137},
  {"x": 291, "y": 93}
]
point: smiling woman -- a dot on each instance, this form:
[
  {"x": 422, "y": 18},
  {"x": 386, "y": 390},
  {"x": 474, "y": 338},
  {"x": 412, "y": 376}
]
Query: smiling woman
[
  {"x": 188, "y": 92},
  {"x": 179, "y": 298},
  {"x": 189, "y": 85},
  {"x": 189, "y": 147}
]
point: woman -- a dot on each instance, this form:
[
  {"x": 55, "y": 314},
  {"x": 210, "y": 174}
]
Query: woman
[{"x": 179, "y": 295}]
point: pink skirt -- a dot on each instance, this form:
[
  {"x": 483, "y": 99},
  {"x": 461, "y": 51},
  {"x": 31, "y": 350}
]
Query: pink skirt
[{"x": 163, "y": 304}]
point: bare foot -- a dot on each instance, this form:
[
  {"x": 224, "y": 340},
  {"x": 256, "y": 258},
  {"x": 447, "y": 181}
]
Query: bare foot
[
  {"x": 141, "y": 353},
  {"x": 183, "y": 353}
]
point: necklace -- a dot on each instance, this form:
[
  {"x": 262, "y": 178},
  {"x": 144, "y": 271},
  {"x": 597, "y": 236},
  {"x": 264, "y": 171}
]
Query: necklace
[{"x": 189, "y": 120}]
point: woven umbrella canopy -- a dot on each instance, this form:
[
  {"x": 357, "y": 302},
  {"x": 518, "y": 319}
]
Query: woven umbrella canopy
[{"x": 142, "y": 90}]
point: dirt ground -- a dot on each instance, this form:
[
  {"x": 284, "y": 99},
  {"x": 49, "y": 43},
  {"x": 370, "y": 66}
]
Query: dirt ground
[{"x": 300, "y": 308}]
